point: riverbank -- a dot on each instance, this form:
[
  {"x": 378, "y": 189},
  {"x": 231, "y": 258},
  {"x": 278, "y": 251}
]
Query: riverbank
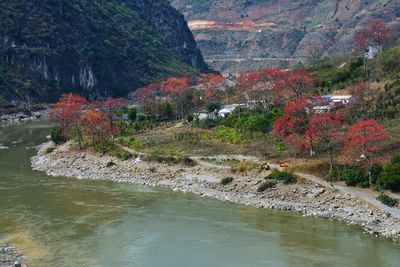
[
  {"x": 10, "y": 257},
  {"x": 21, "y": 117},
  {"x": 306, "y": 197}
]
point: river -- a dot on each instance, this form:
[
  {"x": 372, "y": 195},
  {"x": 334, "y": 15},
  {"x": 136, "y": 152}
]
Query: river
[{"x": 68, "y": 222}]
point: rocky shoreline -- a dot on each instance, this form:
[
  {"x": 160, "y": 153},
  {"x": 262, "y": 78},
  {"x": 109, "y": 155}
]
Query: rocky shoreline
[
  {"x": 10, "y": 257},
  {"x": 21, "y": 117},
  {"x": 305, "y": 197}
]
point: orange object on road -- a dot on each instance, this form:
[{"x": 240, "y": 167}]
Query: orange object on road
[{"x": 283, "y": 164}]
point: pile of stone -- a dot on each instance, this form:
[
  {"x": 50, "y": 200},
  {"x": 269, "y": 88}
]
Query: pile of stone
[{"x": 10, "y": 257}]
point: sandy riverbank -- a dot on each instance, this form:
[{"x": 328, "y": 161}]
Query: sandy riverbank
[{"x": 306, "y": 197}]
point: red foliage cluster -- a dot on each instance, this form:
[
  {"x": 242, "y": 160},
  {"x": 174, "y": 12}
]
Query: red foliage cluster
[
  {"x": 280, "y": 85},
  {"x": 375, "y": 34},
  {"x": 75, "y": 113},
  {"x": 213, "y": 84},
  {"x": 303, "y": 127},
  {"x": 294, "y": 125},
  {"x": 364, "y": 139},
  {"x": 175, "y": 85}
]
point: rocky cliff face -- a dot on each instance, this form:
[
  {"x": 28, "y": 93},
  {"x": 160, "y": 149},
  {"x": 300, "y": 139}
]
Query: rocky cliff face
[
  {"x": 242, "y": 34},
  {"x": 172, "y": 25},
  {"x": 94, "y": 48}
]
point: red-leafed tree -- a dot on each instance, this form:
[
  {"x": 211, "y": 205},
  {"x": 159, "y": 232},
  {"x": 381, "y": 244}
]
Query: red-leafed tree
[
  {"x": 213, "y": 86},
  {"x": 293, "y": 84},
  {"x": 375, "y": 34},
  {"x": 95, "y": 125},
  {"x": 258, "y": 85},
  {"x": 67, "y": 112},
  {"x": 175, "y": 88},
  {"x": 362, "y": 104},
  {"x": 147, "y": 97},
  {"x": 294, "y": 125},
  {"x": 277, "y": 85},
  {"x": 327, "y": 128},
  {"x": 364, "y": 141},
  {"x": 110, "y": 108}
]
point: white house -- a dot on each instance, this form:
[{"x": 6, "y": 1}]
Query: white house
[
  {"x": 228, "y": 109},
  {"x": 224, "y": 112},
  {"x": 341, "y": 99},
  {"x": 372, "y": 51},
  {"x": 326, "y": 103},
  {"x": 202, "y": 115}
]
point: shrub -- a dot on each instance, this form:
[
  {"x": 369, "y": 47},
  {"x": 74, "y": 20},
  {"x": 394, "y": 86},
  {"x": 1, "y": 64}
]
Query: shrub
[
  {"x": 188, "y": 161},
  {"x": 226, "y": 180},
  {"x": 388, "y": 201},
  {"x": 389, "y": 178},
  {"x": 57, "y": 136},
  {"x": 353, "y": 176},
  {"x": 341, "y": 76},
  {"x": 50, "y": 149},
  {"x": 189, "y": 118},
  {"x": 206, "y": 123},
  {"x": 285, "y": 176},
  {"x": 390, "y": 113},
  {"x": 120, "y": 153},
  {"x": 132, "y": 114},
  {"x": 266, "y": 185},
  {"x": 228, "y": 135},
  {"x": 134, "y": 143},
  {"x": 213, "y": 106},
  {"x": 110, "y": 164},
  {"x": 376, "y": 170}
]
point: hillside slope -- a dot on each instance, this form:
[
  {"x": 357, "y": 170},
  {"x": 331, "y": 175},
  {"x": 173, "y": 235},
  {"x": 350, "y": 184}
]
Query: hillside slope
[
  {"x": 94, "y": 48},
  {"x": 242, "y": 34}
]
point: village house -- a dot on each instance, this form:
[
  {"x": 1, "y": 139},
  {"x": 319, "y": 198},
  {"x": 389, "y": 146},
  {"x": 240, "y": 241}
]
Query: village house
[
  {"x": 372, "y": 51},
  {"x": 328, "y": 102}
]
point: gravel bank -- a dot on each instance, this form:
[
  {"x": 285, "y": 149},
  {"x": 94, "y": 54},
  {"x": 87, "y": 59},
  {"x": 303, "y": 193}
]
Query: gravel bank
[
  {"x": 10, "y": 257},
  {"x": 18, "y": 118},
  {"x": 305, "y": 197}
]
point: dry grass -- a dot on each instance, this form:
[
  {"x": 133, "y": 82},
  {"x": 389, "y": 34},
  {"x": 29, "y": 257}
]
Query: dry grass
[
  {"x": 190, "y": 141},
  {"x": 318, "y": 167},
  {"x": 244, "y": 167}
]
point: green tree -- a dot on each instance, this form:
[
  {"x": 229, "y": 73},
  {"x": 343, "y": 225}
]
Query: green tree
[
  {"x": 390, "y": 177},
  {"x": 132, "y": 114}
]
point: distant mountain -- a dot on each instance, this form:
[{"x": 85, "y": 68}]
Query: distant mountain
[
  {"x": 92, "y": 47},
  {"x": 242, "y": 34}
]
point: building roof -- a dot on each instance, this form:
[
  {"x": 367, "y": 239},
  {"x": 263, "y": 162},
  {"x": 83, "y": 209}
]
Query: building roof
[{"x": 339, "y": 97}]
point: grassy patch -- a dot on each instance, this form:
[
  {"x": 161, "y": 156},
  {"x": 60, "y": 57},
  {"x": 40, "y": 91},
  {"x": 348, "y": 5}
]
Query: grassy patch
[
  {"x": 119, "y": 153},
  {"x": 242, "y": 166}
]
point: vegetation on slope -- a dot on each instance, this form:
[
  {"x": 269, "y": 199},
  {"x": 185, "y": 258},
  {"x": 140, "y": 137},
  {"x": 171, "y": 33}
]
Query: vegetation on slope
[{"x": 94, "y": 48}]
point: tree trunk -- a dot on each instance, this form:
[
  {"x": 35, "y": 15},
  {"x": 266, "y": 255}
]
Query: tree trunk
[
  {"x": 78, "y": 132},
  {"x": 330, "y": 149}
]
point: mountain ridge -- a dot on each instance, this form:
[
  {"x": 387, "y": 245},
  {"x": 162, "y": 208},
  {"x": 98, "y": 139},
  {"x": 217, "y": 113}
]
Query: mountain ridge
[
  {"x": 279, "y": 33},
  {"x": 94, "y": 48}
]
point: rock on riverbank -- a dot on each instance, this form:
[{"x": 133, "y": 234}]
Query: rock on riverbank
[
  {"x": 304, "y": 197},
  {"x": 10, "y": 257}
]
